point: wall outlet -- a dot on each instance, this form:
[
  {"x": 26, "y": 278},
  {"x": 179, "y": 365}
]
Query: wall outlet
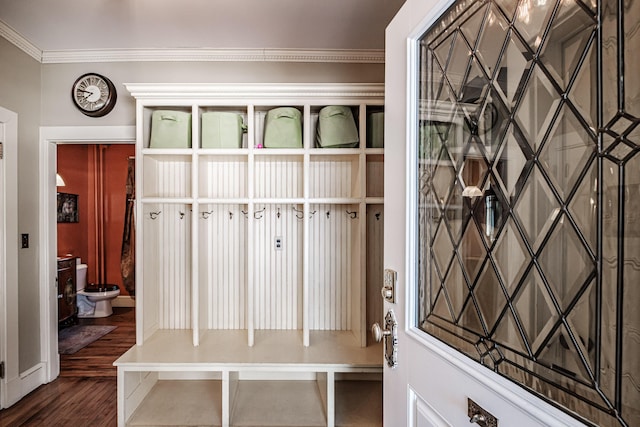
[
  {"x": 278, "y": 244},
  {"x": 25, "y": 241}
]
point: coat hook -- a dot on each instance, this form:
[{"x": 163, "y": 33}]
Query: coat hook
[
  {"x": 299, "y": 213},
  {"x": 328, "y": 214},
  {"x": 278, "y": 214},
  {"x": 245, "y": 213},
  {"x": 353, "y": 215},
  {"x": 378, "y": 216},
  {"x": 312, "y": 214},
  {"x": 260, "y": 213},
  {"x": 154, "y": 215},
  {"x": 206, "y": 215},
  {"x": 181, "y": 215},
  {"x": 230, "y": 215}
]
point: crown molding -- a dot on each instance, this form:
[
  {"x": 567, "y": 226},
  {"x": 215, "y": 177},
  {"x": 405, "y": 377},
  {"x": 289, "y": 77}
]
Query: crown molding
[
  {"x": 12, "y": 36},
  {"x": 345, "y": 56},
  {"x": 365, "y": 56}
]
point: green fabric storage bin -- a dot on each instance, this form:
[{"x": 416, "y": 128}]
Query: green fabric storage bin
[
  {"x": 336, "y": 128},
  {"x": 283, "y": 128},
  {"x": 375, "y": 130},
  {"x": 170, "y": 129},
  {"x": 221, "y": 129}
]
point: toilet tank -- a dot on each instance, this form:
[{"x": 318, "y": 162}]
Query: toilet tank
[{"x": 81, "y": 276}]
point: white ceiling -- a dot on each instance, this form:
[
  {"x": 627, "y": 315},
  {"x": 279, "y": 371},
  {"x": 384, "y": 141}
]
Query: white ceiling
[{"x": 75, "y": 25}]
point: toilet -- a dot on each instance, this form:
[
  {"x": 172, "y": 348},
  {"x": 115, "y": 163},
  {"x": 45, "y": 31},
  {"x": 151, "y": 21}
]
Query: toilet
[{"x": 93, "y": 300}]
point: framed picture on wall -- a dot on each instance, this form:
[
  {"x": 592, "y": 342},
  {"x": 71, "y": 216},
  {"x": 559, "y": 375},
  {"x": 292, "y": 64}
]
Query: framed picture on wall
[{"x": 67, "y": 207}]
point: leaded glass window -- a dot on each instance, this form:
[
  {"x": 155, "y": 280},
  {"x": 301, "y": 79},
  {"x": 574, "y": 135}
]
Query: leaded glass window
[{"x": 529, "y": 196}]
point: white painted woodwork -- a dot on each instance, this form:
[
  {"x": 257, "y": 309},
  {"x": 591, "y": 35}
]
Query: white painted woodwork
[
  {"x": 432, "y": 381},
  {"x": 217, "y": 299}
]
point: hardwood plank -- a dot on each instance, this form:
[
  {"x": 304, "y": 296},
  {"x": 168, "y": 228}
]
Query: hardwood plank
[{"x": 85, "y": 393}]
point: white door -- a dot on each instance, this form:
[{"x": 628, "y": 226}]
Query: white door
[
  {"x": 9, "y": 382},
  {"x": 431, "y": 383}
]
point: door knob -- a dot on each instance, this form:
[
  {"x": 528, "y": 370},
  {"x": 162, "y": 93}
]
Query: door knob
[
  {"x": 379, "y": 333},
  {"x": 390, "y": 335}
]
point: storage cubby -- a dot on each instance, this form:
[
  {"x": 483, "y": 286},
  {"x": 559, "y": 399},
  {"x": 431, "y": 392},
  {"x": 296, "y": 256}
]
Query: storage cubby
[
  {"x": 278, "y": 176},
  {"x": 166, "y": 176},
  {"x": 145, "y": 125},
  {"x": 240, "y": 111},
  {"x": 223, "y": 176},
  {"x": 257, "y": 269}
]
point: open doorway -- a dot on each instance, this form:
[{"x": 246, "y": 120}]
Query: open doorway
[
  {"x": 95, "y": 240},
  {"x": 50, "y": 139}
]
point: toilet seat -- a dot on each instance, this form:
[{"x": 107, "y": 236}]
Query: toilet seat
[{"x": 100, "y": 288}]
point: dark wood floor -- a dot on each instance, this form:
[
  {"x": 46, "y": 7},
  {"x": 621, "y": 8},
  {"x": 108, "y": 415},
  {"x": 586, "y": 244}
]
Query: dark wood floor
[{"x": 84, "y": 395}]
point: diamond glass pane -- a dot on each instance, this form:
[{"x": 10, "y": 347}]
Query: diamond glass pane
[
  {"x": 565, "y": 263},
  {"x": 514, "y": 160},
  {"x": 567, "y": 151},
  {"x": 471, "y": 27},
  {"x": 535, "y": 309},
  {"x": 511, "y": 256},
  {"x": 458, "y": 63},
  {"x": 456, "y": 288},
  {"x": 489, "y": 296},
  {"x": 566, "y": 41},
  {"x": 471, "y": 251},
  {"x": 536, "y": 208},
  {"x": 456, "y": 212},
  {"x": 491, "y": 40},
  {"x": 620, "y": 125},
  {"x": 610, "y": 76},
  {"x": 470, "y": 319},
  {"x": 508, "y": 334},
  {"x": 539, "y": 103},
  {"x": 474, "y": 166},
  {"x": 582, "y": 322},
  {"x": 583, "y": 92},
  {"x": 634, "y": 136},
  {"x": 491, "y": 211},
  {"x": 443, "y": 177},
  {"x": 514, "y": 67},
  {"x": 443, "y": 50},
  {"x": 584, "y": 207},
  {"x": 508, "y": 7},
  {"x": 531, "y": 20},
  {"x": 492, "y": 124},
  {"x": 442, "y": 249}
]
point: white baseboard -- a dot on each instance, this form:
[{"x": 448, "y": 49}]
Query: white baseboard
[
  {"x": 123, "y": 301},
  {"x": 24, "y": 384}
]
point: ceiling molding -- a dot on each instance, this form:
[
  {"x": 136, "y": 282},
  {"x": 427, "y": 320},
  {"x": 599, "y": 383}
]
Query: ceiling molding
[
  {"x": 12, "y": 36},
  {"x": 345, "y": 56},
  {"x": 368, "y": 56}
]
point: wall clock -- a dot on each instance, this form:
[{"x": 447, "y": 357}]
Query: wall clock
[{"x": 94, "y": 94}]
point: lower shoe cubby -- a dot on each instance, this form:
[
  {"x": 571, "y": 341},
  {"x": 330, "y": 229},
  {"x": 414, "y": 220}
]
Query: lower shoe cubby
[{"x": 249, "y": 398}]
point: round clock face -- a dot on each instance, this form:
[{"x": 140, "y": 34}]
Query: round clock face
[{"x": 94, "y": 95}]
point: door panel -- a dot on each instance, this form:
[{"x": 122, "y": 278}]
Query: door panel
[{"x": 432, "y": 381}]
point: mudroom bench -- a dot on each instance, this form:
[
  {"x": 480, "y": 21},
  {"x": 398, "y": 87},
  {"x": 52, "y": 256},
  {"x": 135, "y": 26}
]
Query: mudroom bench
[{"x": 225, "y": 383}]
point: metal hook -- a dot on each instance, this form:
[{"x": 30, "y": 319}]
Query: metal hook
[
  {"x": 353, "y": 215},
  {"x": 154, "y": 215},
  {"x": 181, "y": 215},
  {"x": 299, "y": 213},
  {"x": 378, "y": 216},
  {"x": 206, "y": 215},
  {"x": 328, "y": 214},
  {"x": 230, "y": 215},
  {"x": 278, "y": 214},
  {"x": 260, "y": 212},
  {"x": 245, "y": 213}
]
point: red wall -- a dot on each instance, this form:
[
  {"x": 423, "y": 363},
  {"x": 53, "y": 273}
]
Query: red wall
[{"x": 78, "y": 166}]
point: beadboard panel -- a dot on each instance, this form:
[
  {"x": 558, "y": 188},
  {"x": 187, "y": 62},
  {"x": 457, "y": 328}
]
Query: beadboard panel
[
  {"x": 167, "y": 259},
  {"x": 374, "y": 262},
  {"x": 222, "y": 177},
  {"x": 334, "y": 176},
  {"x": 167, "y": 176},
  {"x": 278, "y": 176},
  {"x": 277, "y": 281},
  {"x": 222, "y": 232},
  {"x": 331, "y": 265},
  {"x": 375, "y": 175}
]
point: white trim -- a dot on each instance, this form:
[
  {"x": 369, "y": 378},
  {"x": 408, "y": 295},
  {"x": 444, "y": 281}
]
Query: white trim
[
  {"x": 9, "y": 333},
  {"x": 49, "y": 137},
  {"x": 342, "y": 56},
  {"x": 349, "y": 56},
  {"x": 15, "y": 38}
]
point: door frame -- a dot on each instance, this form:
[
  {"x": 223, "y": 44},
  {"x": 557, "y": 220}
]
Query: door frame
[
  {"x": 50, "y": 136},
  {"x": 10, "y": 387}
]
